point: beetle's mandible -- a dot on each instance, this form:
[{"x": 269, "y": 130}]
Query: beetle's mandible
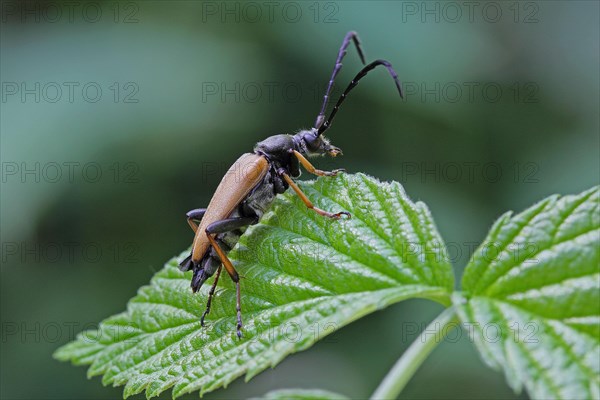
[{"x": 253, "y": 181}]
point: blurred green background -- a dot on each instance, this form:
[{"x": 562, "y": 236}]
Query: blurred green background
[{"x": 117, "y": 118}]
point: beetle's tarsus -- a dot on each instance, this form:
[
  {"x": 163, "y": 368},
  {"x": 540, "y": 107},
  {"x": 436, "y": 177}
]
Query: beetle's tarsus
[
  {"x": 334, "y": 172},
  {"x": 238, "y": 308},
  {"x": 338, "y": 215},
  {"x": 347, "y": 214}
]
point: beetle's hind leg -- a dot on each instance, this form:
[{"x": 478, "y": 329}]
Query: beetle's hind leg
[
  {"x": 194, "y": 217},
  {"x": 224, "y": 226},
  {"x": 210, "y": 296}
]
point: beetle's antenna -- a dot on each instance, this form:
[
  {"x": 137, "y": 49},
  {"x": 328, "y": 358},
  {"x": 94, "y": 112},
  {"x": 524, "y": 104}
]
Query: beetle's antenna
[
  {"x": 336, "y": 69},
  {"x": 353, "y": 84}
]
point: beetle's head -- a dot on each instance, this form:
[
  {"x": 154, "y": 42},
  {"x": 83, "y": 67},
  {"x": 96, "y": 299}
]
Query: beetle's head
[{"x": 310, "y": 143}]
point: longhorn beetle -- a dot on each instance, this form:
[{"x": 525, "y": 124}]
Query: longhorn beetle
[{"x": 253, "y": 181}]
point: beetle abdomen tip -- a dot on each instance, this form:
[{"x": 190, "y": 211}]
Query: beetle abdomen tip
[{"x": 200, "y": 276}]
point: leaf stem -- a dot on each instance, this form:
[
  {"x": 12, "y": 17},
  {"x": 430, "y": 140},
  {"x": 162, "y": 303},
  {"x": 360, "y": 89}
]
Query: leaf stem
[{"x": 413, "y": 357}]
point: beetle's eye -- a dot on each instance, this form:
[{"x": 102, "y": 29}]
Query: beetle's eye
[{"x": 312, "y": 142}]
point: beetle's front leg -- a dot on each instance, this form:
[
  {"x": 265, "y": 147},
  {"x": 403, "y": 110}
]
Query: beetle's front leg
[
  {"x": 311, "y": 168},
  {"x": 306, "y": 201}
]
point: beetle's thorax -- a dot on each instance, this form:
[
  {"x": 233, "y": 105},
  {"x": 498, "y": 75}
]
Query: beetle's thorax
[{"x": 276, "y": 148}]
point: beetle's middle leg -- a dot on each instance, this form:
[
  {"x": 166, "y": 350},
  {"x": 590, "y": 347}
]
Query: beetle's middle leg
[
  {"x": 311, "y": 168},
  {"x": 309, "y": 203},
  {"x": 223, "y": 226}
]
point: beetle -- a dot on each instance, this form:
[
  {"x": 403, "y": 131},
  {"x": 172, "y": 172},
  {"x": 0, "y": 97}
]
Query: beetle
[{"x": 253, "y": 181}]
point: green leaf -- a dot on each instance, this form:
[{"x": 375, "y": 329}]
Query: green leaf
[
  {"x": 301, "y": 394},
  {"x": 305, "y": 276},
  {"x": 532, "y": 297},
  {"x": 81, "y": 351}
]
